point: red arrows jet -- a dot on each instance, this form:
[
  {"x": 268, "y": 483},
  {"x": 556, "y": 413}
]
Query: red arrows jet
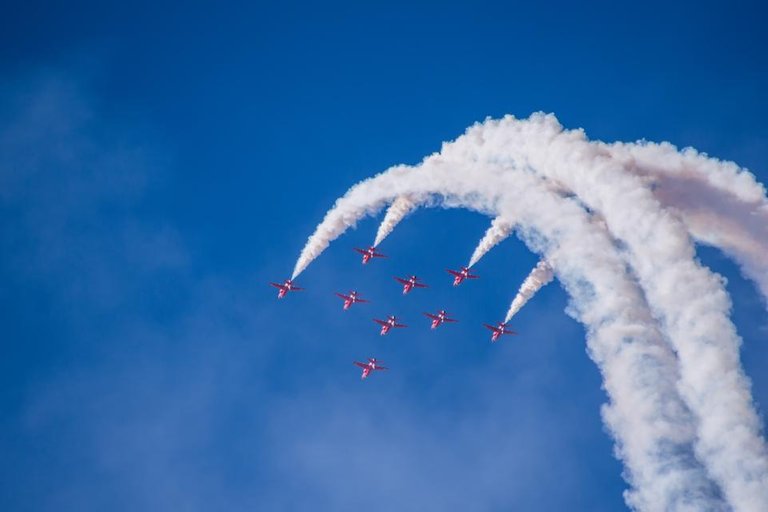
[
  {"x": 410, "y": 283},
  {"x": 459, "y": 276},
  {"x": 370, "y": 366},
  {"x": 286, "y": 287},
  {"x": 351, "y": 299},
  {"x": 439, "y": 318},
  {"x": 388, "y": 324},
  {"x": 369, "y": 253},
  {"x": 498, "y": 330}
]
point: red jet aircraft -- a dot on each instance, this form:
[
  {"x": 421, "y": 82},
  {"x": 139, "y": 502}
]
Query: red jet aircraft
[
  {"x": 351, "y": 299},
  {"x": 388, "y": 324},
  {"x": 286, "y": 287},
  {"x": 459, "y": 276},
  {"x": 410, "y": 283},
  {"x": 369, "y": 367},
  {"x": 499, "y": 330},
  {"x": 439, "y": 318},
  {"x": 369, "y": 253}
]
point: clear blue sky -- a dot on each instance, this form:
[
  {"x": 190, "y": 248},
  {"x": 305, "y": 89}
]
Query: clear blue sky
[{"x": 160, "y": 163}]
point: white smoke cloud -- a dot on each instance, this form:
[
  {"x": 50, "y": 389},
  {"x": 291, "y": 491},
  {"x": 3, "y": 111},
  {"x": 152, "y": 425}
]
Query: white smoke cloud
[
  {"x": 500, "y": 229},
  {"x": 688, "y": 299},
  {"x": 541, "y": 275},
  {"x": 401, "y": 207},
  {"x": 721, "y": 204},
  {"x": 664, "y": 404}
]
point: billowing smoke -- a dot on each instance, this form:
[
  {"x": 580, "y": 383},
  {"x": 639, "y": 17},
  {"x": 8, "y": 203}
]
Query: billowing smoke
[
  {"x": 541, "y": 275},
  {"x": 500, "y": 229},
  {"x": 721, "y": 204},
  {"x": 611, "y": 222},
  {"x": 401, "y": 207}
]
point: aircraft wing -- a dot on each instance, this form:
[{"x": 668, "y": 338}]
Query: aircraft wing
[
  {"x": 361, "y": 251},
  {"x": 449, "y": 320},
  {"x": 296, "y": 288},
  {"x": 362, "y": 300},
  {"x": 491, "y": 327},
  {"x": 420, "y": 285},
  {"x": 378, "y": 255},
  {"x": 280, "y": 286},
  {"x": 400, "y": 325},
  {"x": 380, "y": 322},
  {"x": 345, "y": 297},
  {"x": 361, "y": 365},
  {"x": 453, "y": 272},
  {"x": 381, "y": 367},
  {"x": 401, "y": 281},
  {"x": 509, "y": 332},
  {"x": 433, "y": 317},
  {"x": 472, "y": 276}
]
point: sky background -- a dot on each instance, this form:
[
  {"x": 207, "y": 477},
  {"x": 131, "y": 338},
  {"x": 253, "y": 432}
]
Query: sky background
[{"x": 160, "y": 163}]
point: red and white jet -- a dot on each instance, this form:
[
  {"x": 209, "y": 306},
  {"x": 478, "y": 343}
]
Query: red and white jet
[
  {"x": 459, "y": 276},
  {"x": 286, "y": 287},
  {"x": 369, "y": 253},
  {"x": 410, "y": 283},
  {"x": 388, "y": 324},
  {"x": 439, "y": 318},
  {"x": 499, "y": 330},
  {"x": 351, "y": 298},
  {"x": 370, "y": 366}
]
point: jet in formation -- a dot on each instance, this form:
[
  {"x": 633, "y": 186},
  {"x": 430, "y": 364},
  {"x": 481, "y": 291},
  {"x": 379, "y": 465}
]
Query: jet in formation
[
  {"x": 439, "y": 318},
  {"x": 410, "y": 283},
  {"x": 369, "y": 253},
  {"x": 351, "y": 299},
  {"x": 388, "y": 324},
  {"x": 369, "y": 367},
  {"x": 498, "y": 330},
  {"x": 461, "y": 275},
  {"x": 286, "y": 287}
]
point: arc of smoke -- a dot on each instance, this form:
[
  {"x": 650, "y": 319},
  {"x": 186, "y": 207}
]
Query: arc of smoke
[
  {"x": 688, "y": 299},
  {"x": 652, "y": 427},
  {"x": 722, "y": 204},
  {"x": 541, "y": 275},
  {"x": 500, "y": 229},
  {"x": 396, "y": 212}
]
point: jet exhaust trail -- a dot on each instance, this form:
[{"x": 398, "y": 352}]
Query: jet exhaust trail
[
  {"x": 500, "y": 229},
  {"x": 657, "y": 322},
  {"x": 541, "y": 275},
  {"x": 401, "y": 207}
]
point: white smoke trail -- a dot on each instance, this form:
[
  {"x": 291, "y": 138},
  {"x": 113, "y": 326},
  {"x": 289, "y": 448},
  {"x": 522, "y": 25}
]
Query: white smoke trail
[
  {"x": 401, "y": 207},
  {"x": 500, "y": 229},
  {"x": 653, "y": 429},
  {"x": 338, "y": 220},
  {"x": 541, "y": 275},
  {"x": 720, "y": 203},
  {"x": 689, "y": 300}
]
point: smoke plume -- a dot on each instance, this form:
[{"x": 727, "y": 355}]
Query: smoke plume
[
  {"x": 500, "y": 229},
  {"x": 401, "y": 207},
  {"x": 616, "y": 223},
  {"x": 541, "y": 275}
]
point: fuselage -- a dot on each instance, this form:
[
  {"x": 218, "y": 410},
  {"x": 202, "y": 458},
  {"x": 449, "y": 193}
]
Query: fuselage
[{"x": 386, "y": 327}]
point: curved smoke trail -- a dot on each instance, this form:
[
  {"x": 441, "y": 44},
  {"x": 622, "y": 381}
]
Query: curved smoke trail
[
  {"x": 401, "y": 207},
  {"x": 721, "y": 204},
  {"x": 489, "y": 170},
  {"x": 500, "y": 229},
  {"x": 541, "y": 275}
]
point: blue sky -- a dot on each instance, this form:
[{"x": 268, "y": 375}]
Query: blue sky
[{"x": 160, "y": 164}]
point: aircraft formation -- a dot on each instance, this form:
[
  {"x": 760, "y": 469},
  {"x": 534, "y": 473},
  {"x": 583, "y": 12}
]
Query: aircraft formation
[{"x": 409, "y": 284}]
